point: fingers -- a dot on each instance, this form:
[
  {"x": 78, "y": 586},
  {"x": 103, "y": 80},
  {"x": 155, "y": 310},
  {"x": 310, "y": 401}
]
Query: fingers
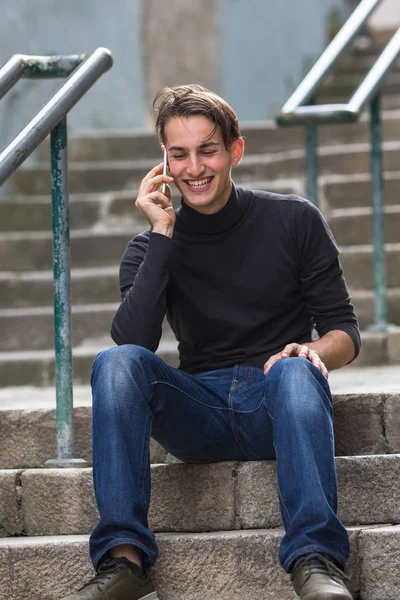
[
  {"x": 153, "y": 180},
  {"x": 154, "y": 198},
  {"x": 271, "y": 361},
  {"x": 300, "y": 350}
]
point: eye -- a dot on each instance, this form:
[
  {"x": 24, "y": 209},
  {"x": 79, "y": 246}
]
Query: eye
[
  {"x": 209, "y": 152},
  {"x": 178, "y": 156}
]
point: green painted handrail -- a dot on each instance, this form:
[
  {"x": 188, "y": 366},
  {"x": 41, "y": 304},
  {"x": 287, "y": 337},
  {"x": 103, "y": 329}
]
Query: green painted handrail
[
  {"x": 301, "y": 110},
  {"x": 82, "y": 72}
]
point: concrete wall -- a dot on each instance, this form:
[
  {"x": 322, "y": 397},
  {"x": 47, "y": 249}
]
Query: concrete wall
[
  {"x": 387, "y": 16},
  {"x": 268, "y": 48},
  {"x": 253, "y": 52},
  {"x": 75, "y": 26}
]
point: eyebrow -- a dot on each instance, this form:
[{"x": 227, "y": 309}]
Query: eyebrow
[{"x": 202, "y": 146}]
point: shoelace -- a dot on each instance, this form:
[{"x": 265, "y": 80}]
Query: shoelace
[
  {"x": 105, "y": 571},
  {"x": 318, "y": 564}
]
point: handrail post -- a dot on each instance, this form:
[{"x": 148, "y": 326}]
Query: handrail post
[
  {"x": 62, "y": 301},
  {"x": 311, "y": 141},
  {"x": 379, "y": 263}
]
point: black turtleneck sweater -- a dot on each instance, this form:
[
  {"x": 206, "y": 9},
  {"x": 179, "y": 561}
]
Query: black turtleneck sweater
[{"x": 236, "y": 286}]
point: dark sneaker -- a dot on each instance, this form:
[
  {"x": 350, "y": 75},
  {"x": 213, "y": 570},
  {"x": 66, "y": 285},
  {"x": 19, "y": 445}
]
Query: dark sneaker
[
  {"x": 116, "y": 580},
  {"x": 316, "y": 577}
]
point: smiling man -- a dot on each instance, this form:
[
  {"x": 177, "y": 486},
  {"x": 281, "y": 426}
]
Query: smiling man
[{"x": 242, "y": 277}]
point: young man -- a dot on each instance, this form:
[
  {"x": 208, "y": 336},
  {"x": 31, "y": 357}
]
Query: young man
[{"x": 242, "y": 277}]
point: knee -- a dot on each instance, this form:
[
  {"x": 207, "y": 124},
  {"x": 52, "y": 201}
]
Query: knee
[
  {"x": 301, "y": 386},
  {"x": 292, "y": 369},
  {"x": 119, "y": 361}
]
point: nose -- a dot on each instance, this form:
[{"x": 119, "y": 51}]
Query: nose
[{"x": 195, "y": 167}]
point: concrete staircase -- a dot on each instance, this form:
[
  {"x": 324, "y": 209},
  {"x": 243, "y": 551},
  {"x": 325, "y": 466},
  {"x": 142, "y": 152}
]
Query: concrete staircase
[
  {"x": 218, "y": 525},
  {"x": 351, "y": 70}
]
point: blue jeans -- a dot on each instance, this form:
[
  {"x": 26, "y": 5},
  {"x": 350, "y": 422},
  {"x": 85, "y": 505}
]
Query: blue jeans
[{"x": 233, "y": 414}]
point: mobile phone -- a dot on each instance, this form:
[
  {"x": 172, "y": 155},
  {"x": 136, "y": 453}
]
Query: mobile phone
[{"x": 163, "y": 189}]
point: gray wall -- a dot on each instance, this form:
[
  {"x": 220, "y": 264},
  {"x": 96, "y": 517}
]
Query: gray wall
[
  {"x": 75, "y": 26},
  {"x": 253, "y": 52},
  {"x": 268, "y": 46}
]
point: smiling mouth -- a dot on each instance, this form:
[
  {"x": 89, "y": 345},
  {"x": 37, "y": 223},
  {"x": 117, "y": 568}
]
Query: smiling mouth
[{"x": 198, "y": 184}]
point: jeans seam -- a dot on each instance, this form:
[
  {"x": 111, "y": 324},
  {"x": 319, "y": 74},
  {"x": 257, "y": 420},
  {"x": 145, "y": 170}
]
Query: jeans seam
[
  {"x": 232, "y": 410},
  {"x": 279, "y": 490},
  {"x": 144, "y": 503},
  {"x": 188, "y": 395}
]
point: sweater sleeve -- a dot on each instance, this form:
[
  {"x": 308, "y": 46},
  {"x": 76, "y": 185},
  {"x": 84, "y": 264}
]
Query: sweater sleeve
[
  {"x": 323, "y": 285},
  {"x": 144, "y": 275}
]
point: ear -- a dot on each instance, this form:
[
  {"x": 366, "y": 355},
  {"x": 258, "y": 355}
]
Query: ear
[{"x": 237, "y": 150}]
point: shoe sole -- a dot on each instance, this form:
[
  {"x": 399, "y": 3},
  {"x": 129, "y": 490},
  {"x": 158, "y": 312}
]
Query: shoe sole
[
  {"x": 152, "y": 596},
  {"x": 296, "y": 597}
]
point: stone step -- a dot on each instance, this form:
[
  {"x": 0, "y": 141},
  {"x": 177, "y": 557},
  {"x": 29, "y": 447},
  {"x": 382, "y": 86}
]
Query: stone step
[
  {"x": 98, "y": 211},
  {"x": 352, "y": 226},
  {"x": 354, "y": 191},
  {"x": 28, "y": 289},
  {"x": 124, "y": 175},
  {"x": 346, "y": 85},
  {"x": 357, "y": 265},
  {"x": 364, "y": 302},
  {"x": 33, "y": 328},
  {"x": 87, "y": 211},
  {"x": 194, "y": 498},
  {"x": 27, "y": 329},
  {"x": 364, "y": 424},
  {"x": 32, "y": 251},
  {"x": 36, "y": 367},
  {"x": 359, "y": 66},
  {"x": 260, "y": 137},
  {"x": 388, "y": 102},
  {"x": 231, "y": 565}
]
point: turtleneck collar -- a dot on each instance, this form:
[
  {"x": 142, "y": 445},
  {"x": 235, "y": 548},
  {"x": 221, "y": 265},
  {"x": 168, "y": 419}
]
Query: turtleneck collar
[{"x": 212, "y": 224}]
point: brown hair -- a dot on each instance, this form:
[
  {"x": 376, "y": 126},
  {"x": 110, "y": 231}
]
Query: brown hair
[{"x": 188, "y": 100}]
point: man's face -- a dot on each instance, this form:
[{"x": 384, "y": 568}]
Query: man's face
[{"x": 200, "y": 164}]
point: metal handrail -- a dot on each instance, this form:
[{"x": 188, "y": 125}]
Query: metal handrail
[
  {"x": 79, "y": 82},
  {"x": 83, "y": 72},
  {"x": 294, "y": 112},
  {"x": 311, "y": 82}
]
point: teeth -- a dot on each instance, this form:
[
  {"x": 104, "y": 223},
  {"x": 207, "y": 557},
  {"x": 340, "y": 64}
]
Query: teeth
[{"x": 199, "y": 183}]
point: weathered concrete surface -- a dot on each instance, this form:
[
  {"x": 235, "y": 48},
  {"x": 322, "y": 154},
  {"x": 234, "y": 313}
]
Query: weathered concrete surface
[
  {"x": 200, "y": 498},
  {"x": 27, "y": 437},
  {"x": 393, "y": 343},
  {"x": 43, "y": 568},
  {"x": 112, "y": 176},
  {"x": 193, "y": 497},
  {"x": 184, "y": 498},
  {"x": 11, "y": 516},
  {"x": 58, "y": 500},
  {"x": 380, "y": 558},
  {"x": 354, "y": 226},
  {"x": 369, "y": 489},
  {"x": 358, "y": 422},
  {"x": 392, "y": 422},
  {"x": 223, "y": 566},
  {"x": 260, "y": 137},
  {"x": 37, "y": 367}
]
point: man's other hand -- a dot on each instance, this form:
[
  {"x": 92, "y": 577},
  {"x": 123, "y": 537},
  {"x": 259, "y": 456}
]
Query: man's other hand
[
  {"x": 300, "y": 350},
  {"x": 154, "y": 205}
]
